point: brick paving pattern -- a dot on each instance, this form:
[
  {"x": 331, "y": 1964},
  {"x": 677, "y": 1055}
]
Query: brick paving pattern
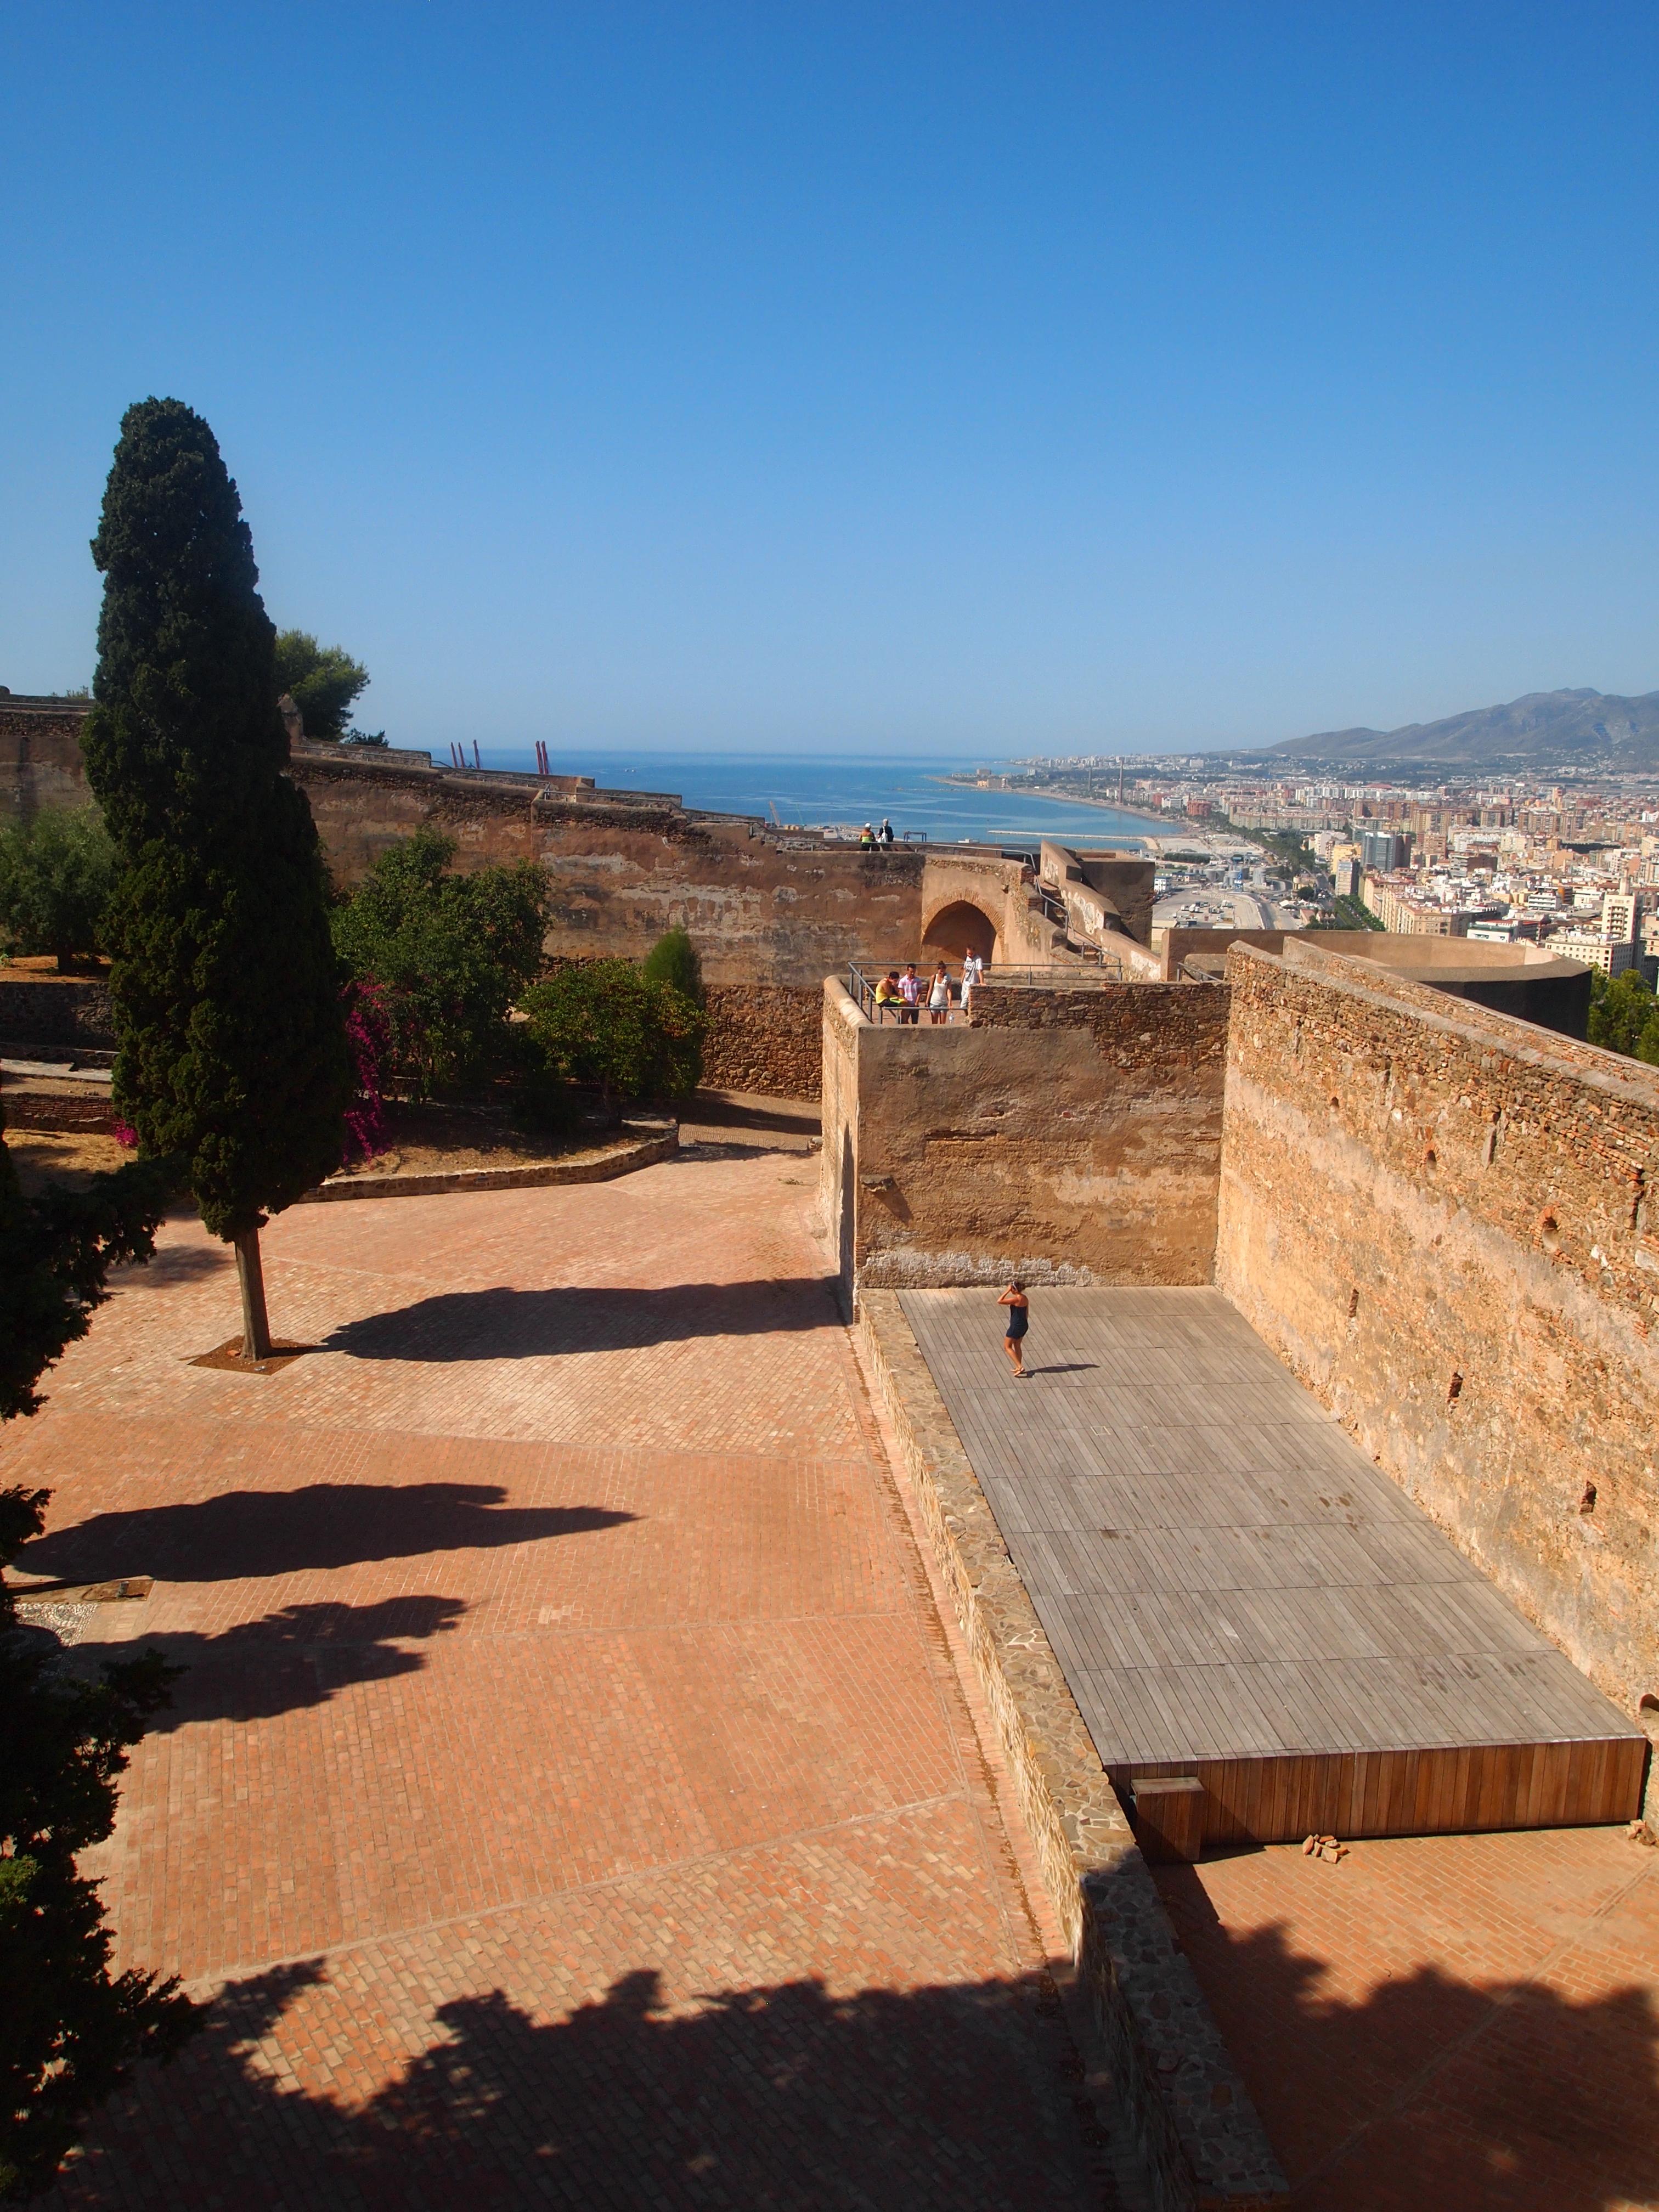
[
  {"x": 1461, "y": 2022},
  {"x": 571, "y": 1798}
]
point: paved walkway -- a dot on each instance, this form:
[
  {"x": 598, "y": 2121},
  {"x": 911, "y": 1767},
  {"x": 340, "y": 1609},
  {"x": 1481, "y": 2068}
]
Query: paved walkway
[
  {"x": 1457, "y": 2022},
  {"x": 571, "y": 1799}
]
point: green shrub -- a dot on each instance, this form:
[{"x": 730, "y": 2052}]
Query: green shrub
[
  {"x": 450, "y": 952},
  {"x": 607, "y": 1023},
  {"x": 1624, "y": 1015},
  {"x": 673, "y": 959},
  {"x": 56, "y": 875}
]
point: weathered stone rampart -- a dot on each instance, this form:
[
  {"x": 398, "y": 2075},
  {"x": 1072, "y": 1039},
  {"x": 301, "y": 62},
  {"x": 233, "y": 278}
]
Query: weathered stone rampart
[
  {"x": 1446, "y": 1224},
  {"x": 1068, "y": 1136},
  {"x": 40, "y": 754}
]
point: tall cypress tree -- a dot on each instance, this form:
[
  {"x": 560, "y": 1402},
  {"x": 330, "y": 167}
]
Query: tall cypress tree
[{"x": 232, "y": 1049}]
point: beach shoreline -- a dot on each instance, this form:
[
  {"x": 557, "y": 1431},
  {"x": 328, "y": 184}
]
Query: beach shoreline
[{"x": 1065, "y": 797}]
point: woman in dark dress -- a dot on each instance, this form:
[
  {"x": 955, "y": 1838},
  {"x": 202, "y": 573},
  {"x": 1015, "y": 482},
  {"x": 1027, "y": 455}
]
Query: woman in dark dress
[{"x": 1019, "y": 1320}]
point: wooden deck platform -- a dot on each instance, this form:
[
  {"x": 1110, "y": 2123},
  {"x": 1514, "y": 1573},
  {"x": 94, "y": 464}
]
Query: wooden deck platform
[{"x": 1235, "y": 1593}]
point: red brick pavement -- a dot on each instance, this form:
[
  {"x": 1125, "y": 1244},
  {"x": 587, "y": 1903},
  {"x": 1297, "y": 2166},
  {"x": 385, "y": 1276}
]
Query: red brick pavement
[
  {"x": 570, "y": 1799},
  {"x": 1466, "y": 2021}
]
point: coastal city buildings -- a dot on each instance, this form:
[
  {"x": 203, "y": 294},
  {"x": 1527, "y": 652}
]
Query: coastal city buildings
[{"x": 1564, "y": 859}]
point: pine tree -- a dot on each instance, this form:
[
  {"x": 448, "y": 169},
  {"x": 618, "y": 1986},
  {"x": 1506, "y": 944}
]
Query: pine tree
[
  {"x": 232, "y": 1049},
  {"x": 673, "y": 959}
]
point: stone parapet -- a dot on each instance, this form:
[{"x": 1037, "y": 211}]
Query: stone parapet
[
  {"x": 1201, "y": 2136},
  {"x": 1066, "y": 1136}
]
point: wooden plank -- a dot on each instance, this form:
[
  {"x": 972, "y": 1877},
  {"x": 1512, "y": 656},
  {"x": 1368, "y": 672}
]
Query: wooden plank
[{"x": 1223, "y": 1574}]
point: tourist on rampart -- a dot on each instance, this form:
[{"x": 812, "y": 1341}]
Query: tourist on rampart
[
  {"x": 888, "y": 995},
  {"x": 1019, "y": 1320},
  {"x": 938, "y": 997},
  {"x": 867, "y": 836},
  {"x": 910, "y": 991},
  {"x": 973, "y": 974},
  {"x": 886, "y": 831}
]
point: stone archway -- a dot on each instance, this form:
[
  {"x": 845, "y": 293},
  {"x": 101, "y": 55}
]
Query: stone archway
[{"x": 960, "y": 928}]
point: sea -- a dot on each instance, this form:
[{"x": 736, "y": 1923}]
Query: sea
[{"x": 843, "y": 793}]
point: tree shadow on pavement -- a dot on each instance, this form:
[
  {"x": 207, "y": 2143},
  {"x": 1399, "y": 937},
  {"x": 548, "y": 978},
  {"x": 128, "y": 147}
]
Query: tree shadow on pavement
[
  {"x": 785, "y": 2097},
  {"x": 1496, "y": 2096},
  {"x": 502, "y": 1323},
  {"x": 781, "y": 2097},
  {"x": 247, "y": 1534},
  {"x": 299, "y": 1657}
]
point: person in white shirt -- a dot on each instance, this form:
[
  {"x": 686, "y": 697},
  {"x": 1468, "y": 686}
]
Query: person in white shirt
[
  {"x": 938, "y": 996},
  {"x": 910, "y": 991},
  {"x": 973, "y": 974}
]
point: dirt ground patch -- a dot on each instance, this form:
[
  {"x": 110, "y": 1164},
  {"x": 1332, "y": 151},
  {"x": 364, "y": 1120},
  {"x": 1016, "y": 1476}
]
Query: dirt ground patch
[{"x": 71, "y": 1156}]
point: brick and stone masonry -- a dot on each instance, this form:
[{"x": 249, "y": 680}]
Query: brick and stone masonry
[
  {"x": 1071, "y": 1135},
  {"x": 1444, "y": 1223}
]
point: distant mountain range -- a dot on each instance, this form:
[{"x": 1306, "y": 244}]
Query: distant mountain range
[{"x": 1577, "y": 729}]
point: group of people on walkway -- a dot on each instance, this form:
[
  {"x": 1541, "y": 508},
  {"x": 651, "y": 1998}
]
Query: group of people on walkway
[
  {"x": 901, "y": 995},
  {"x": 871, "y": 836}
]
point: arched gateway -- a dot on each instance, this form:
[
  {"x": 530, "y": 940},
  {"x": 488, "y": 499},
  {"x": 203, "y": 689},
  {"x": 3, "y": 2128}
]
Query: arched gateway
[{"x": 960, "y": 928}]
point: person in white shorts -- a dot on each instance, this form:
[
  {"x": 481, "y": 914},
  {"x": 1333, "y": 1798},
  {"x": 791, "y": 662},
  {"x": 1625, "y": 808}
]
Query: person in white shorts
[{"x": 973, "y": 974}]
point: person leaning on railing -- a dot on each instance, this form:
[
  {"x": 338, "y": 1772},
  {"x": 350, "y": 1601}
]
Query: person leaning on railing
[{"x": 888, "y": 994}]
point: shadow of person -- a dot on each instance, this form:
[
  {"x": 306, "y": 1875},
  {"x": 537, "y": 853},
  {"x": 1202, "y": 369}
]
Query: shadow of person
[
  {"x": 503, "y": 1323},
  {"x": 244, "y": 1535}
]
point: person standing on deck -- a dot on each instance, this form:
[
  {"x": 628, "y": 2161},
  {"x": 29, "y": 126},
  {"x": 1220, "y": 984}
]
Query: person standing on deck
[
  {"x": 1019, "y": 1320},
  {"x": 973, "y": 974}
]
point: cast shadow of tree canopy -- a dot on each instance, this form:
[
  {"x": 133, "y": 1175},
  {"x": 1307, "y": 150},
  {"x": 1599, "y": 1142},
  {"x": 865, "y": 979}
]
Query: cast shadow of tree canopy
[
  {"x": 503, "y": 1323},
  {"x": 1477, "y": 2095},
  {"x": 785, "y": 2097},
  {"x": 289, "y": 1660},
  {"x": 247, "y": 1534},
  {"x": 781, "y": 2097}
]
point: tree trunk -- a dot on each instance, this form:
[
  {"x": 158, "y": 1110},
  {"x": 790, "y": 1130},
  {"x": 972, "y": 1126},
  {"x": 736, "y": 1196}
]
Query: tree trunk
[{"x": 256, "y": 1328}]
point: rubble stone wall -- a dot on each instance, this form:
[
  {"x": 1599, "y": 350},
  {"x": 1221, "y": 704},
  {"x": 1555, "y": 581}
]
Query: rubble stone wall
[
  {"x": 1447, "y": 1225},
  {"x": 766, "y": 1037}
]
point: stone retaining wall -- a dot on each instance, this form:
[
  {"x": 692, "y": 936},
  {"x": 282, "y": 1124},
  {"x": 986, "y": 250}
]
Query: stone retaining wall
[
  {"x": 1446, "y": 1223},
  {"x": 48, "y": 1010},
  {"x": 604, "y": 1168},
  {"x": 764, "y": 1037},
  {"x": 1202, "y": 2140}
]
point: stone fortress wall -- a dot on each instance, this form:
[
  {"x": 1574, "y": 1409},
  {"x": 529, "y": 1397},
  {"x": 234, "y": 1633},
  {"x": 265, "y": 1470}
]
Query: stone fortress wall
[
  {"x": 1069, "y": 1135},
  {"x": 1443, "y": 1220},
  {"x": 1447, "y": 1225},
  {"x": 772, "y": 911}
]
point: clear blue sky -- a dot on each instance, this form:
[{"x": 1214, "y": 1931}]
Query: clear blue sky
[{"x": 796, "y": 377}]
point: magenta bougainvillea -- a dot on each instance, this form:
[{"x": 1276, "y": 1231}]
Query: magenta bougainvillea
[
  {"x": 124, "y": 1135},
  {"x": 368, "y": 1040}
]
